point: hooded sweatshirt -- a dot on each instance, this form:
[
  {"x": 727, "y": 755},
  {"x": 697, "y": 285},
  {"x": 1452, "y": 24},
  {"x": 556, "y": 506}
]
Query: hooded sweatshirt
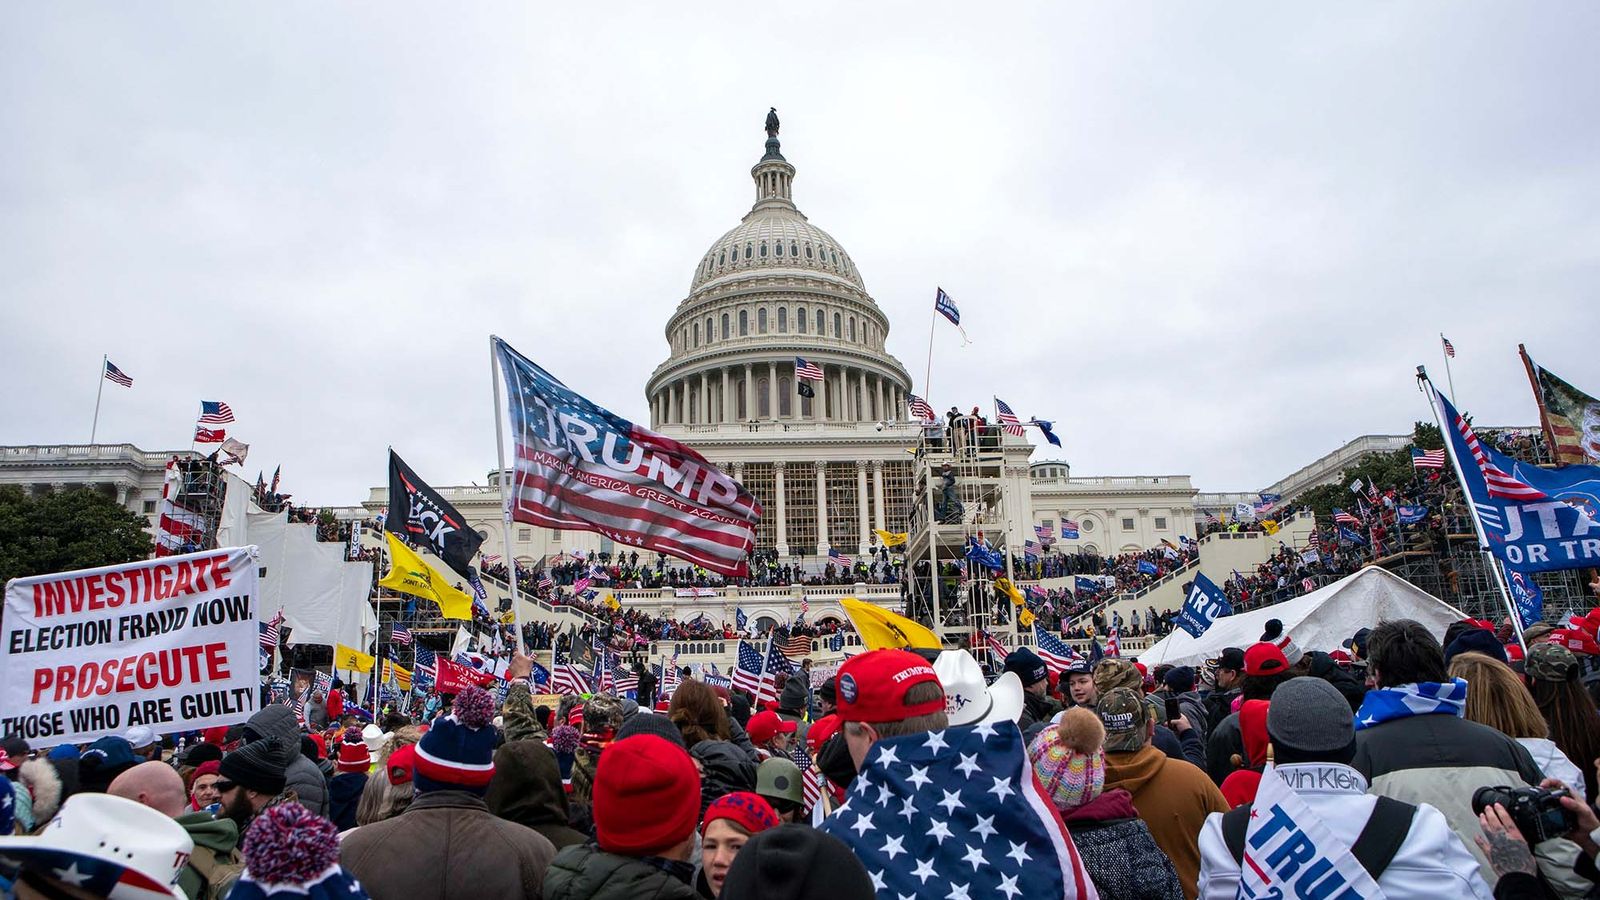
[
  {"x": 1173, "y": 798},
  {"x": 526, "y": 789},
  {"x": 304, "y": 778},
  {"x": 215, "y": 842}
]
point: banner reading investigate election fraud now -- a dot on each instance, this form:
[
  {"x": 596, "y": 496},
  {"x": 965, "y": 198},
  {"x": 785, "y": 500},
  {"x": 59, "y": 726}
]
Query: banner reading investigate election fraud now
[{"x": 170, "y": 643}]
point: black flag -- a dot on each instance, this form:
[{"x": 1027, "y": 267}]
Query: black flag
[
  {"x": 805, "y": 390},
  {"x": 418, "y": 513}
]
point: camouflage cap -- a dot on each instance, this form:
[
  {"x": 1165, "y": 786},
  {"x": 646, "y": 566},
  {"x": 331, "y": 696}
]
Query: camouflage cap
[
  {"x": 1115, "y": 672},
  {"x": 1550, "y": 662},
  {"x": 602, "y": 713},
  {"x": 1123, "y": 712}
]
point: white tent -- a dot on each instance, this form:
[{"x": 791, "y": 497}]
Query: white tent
[{"x": 1320, "y": 620}]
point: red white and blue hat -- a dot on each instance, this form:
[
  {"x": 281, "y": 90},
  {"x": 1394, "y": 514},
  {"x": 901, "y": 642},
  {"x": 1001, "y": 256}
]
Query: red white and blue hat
[
  {"x": 457, "y": 753},
  {"x": 108, "y": 846},
  {"x": 291, "y": 851}
]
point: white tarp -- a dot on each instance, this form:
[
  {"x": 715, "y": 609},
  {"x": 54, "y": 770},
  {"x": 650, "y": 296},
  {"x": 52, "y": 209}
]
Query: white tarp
[
  {"x": 322, "y": 596},
  {"x": 1320, "y": 620}
]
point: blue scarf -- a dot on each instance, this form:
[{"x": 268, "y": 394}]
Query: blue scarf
[{"x": 1426, "y": 698}]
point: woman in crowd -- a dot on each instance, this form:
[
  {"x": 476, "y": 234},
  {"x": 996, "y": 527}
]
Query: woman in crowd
[
  {"x": 699, "y": 714},
  {"x": 728, "y": 824},
  {"x": 1567, "y": 708},
  {"x": 1496, "y": 698}
]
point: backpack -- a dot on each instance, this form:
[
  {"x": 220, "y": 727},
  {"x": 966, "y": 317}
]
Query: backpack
[
  {"x": 1375, "y": 847},
  {"x": 217, "y": 874}
]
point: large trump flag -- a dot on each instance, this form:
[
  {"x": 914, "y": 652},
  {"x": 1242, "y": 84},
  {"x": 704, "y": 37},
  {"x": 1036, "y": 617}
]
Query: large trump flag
[{"x": 582, "y": 467}]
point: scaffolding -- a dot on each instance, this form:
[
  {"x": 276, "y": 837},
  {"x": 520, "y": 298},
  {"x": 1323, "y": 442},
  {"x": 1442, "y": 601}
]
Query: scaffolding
[
  {"x": 191, "y": 505},
  {"x": 1457, "y": 572}
]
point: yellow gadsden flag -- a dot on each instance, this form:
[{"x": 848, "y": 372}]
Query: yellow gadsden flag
[
  {"x": 1270, "y": 526},
  {"x": 1004, "y": 586},
  {"x": 349, "y": 659},
  {"x": 880, "y": 628},
  {"x": 891, "y": 538},
  {"x": 408, "y": 574}
]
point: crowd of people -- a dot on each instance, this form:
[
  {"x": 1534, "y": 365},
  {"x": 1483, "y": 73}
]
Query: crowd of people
[{"x": 1463, "y": 766}]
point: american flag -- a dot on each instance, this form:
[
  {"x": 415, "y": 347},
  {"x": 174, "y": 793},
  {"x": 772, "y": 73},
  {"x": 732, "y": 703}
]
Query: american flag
[
  {"x": 839, "y": 559},
  {"x": 115, "y": 374},
  {"x": 996, "y": 649},
  {"x": 966, "y": 811},
  {"x": 1009, "y": 419},
  {"x": 1316, "y": 541},
  {"x": 215, "y": 412},
  {"x": 1045, "y": 532},
  {"x": 1053, "y": 650},
  {"x": 581, "y": 585},
  {"x": 807, "y": 370},
  {"x": 749, "y": 674},
  {"x": 620, "y": 678},
  {"x": 1449, "y": 348},
  {"x": 540, "y": 676},
  {"x": 1308, "y": 585},
  {"x": 662, "y": 495},
  {"x": 545, "y": 583},
  {"x": 1499, "y": 483},
  {"x": 424, "y": 662},
  {"x": 204, "y": 435},
  {"x": 490, "y": 559},
  {"x": 1427, "y": 459},
  {"x": 797, "y": 645},
  {"x": 400, "y": 634},
  {"x": 566, "y": 678},
  {"x": 1113, "y": 642},
  {"x": 1031, "y": 548},
  {"x": 1069, "y": 529},
  {"x": 300, "y": 706},
  {"x": 810, "y": 779},
  {"x": 270, "y": 631},
  {"x": 920, "y": 408},
  {"x": 1344, "y": 518}
]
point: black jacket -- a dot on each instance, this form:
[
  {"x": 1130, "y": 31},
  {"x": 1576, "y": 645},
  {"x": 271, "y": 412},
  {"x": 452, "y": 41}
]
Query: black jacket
[
  {"x": 1325, "y": 667},
  {"x": 584, "y": 872},
  {"x": 1036, "y": 708},
  {"x": 1219, "y": 705},
  {"x": 725, "y": 769}
]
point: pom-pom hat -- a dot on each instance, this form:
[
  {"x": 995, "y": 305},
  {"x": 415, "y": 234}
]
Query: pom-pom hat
[
  {"x": 290, "y": 851},
  {"x": 1070, "y": 759},
  {"x": 873, "y": 686},
  {"x": 457, "y": 753},
  {"x": 111, "y": 846},
  {"x": 354, "y": 756}
]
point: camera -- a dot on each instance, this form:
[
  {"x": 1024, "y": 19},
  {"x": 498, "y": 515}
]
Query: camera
[{"x": 1537, "y": 812}]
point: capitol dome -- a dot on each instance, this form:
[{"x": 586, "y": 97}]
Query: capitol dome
[{"x": 773, "y": 288}]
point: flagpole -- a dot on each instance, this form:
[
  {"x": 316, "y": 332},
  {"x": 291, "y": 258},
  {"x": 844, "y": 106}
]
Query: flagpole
[
  {"x": 1450, "y": 379},
  {"x": 94, "y": 428},
  {"x": 505, "y": 502},
  {"x": 1477, "y": 525},
  {"x": 927, "y": 376}
]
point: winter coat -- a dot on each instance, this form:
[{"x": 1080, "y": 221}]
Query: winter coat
[
  {"x": 740, "y": 738},
  {"x": 1036, "y": 708},
  {"x": 725, "y": 769},
  {"x": 1226, "y": 742},
  {"x": 1219, "y": 705},
  {"x": 1431, "y": 863},
  {"x": 447, "y": 845},
  {"x": 1194, "y": 709},
  {"x": 39, "y": 779},
  {"x": 1173, "y": 798},
  {"x": 1328, "y": 669},
  {"x": 277, "y": 720},
  {"x": 526, "y": 789},
  {"x": 1441, "y": 760},
  {"x": 518, "y": 721},
  {"x": 796, "y": 695},
  {"x": 584, "y": 872},
  {"x": 344, "y": 794},
  {"x": 1119, "y": 854},
  {"x": 1555, "y": 764},
  {"x": 215, "y": 864}
]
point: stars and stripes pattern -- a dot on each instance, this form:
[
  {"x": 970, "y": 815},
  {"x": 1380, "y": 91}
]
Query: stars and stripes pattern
[
  {"x": 749, "y": 674},
  {"x": 1069, "y": 529},
  {"x": 650, "y": 491},
  {"x": 1427, "y": 459},
  {"x": 399, "y": 634},
  {"x": 566, "y": 678},
  {"x": 270, "y": 632},
  {"x": 920, "y": 408},
  {"x": 545, "y": 583},
  {"x": 215, "y": 412},
  {"x": 808, "y": 371},
  {"x": 1316, "y": 541},
  {"x": 839, "y": 559},
  {"x": 810, "y": 778},
  {"x": 1344, "y": 518},
  {"x": 115, "y": 374},
  {"x": 1114, "y": 642},
  {"x": 996, "y": 649},
  {"x": 1449, "y": 348},
  {"x": 797, "y": 645},
  {"x": 1044, "y": 533},
  {"x": 490, "y": 559},
  {"x": 1008, "y": 419},
  {"x": 424, "y": 662},
  {"x": 1053, "y": 650},
  {"x": 964, "y": 809},
  {"x": 1499, "y": 483}
]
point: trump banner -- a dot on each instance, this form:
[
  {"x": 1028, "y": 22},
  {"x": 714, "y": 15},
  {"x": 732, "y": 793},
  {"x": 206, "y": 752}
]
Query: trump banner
[
  {"x": 581, "y": 467},
  {"x": 1205, "y": 604},
  {"x": 1290, "y": 852},
  {"x": 170, "y": 643}
]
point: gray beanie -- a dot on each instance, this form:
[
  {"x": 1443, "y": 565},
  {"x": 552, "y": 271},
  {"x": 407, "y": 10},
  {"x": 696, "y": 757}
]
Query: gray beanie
[
  {"x": 650, "y": 723},
  {"x": 1310, "y": 715}
]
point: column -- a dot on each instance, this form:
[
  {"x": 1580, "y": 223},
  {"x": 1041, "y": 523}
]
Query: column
[
  {"x": 749, "y": 392},
  {"x": 727, "y": 393},
  {"x": 883, "y": 408},
  {"x": 772, "y": 389},
  {"x": 822, "y": 511},
  {"x": 669, "y": 408},
  {"x": 861, "y": 506},
  {"x": 705, "y": 397},
  {"x": 783, "y": 521},
  {"x": 877, "y": 495}
]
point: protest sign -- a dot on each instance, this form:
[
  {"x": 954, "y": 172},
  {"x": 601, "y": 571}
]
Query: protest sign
[
  {"x": 170, "y": 643},
  {"x": 1205, "y": 604}
]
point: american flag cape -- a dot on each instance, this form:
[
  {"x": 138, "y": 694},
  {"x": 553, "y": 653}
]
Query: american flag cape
[
  {"x": 965, "y": 810},
  {"x": 581, "y": 467}
]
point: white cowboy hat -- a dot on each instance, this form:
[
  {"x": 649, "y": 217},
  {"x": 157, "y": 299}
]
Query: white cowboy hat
[
  {"x": 967, "y": 699},
  {"x": 108, "y": 846}
]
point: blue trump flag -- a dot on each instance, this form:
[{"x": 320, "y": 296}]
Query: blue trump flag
[
  {"x": 1527, "y": 596},
  {"x": 1409, "y": 515},
  {"x": 1205, "y": 605},
  {"x": 1048, "y": 430},
  {"x": 1147, "y": 567},
  {"x": 1350, "y": 537},
  {"x": 984, "y": 555},
  {"x": 1085, "y": 584},
  {"x": 1534, "y": 520}
]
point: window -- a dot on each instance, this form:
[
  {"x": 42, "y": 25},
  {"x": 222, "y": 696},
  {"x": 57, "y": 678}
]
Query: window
[
  {"x": 744, "y": 322},
  {"x": 1127, "y": 524},
  {"x": 708, "y": 329},
  {"x": 835, "y": 257},
  {"x": 763, "y": 249},
  {"x": 800, "y": 318},
  {"x": 524, "y": 535},
  {"x": 747, "y": 253},
  {"x": 852, "y": 328},
  {"x": 794, "y": 249},
  {"x": 149, "y": 507},
  {"x": 838, "y": 325},
  {"x": 1161, "y": 523},
  {"x": 697, "y": 334},
  {"x": 722, "y": 257},
  {"x": 777, "y": 248},
  {"x": 785, "y": 395},
  {"x": 761, "y": 320},
  {"x": 783, "y": 320},
  {"x": 555, "y": 535},
  {"x": 1086, "y": 525},
  {"x": 724, "y": 326},
  {"x": 822, "y": 328},
  {"x": 808, "y": 251},
  {"x": 1048, "y": 524}
]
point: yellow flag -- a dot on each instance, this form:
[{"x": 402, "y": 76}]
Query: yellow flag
[
  {"x": 408, "y": 574},
  {"x": 891, "y": 538},
  {"x": 401, "y": 677},
  {"x": 1004, "y": 586},
  {"x": 880, "y": 628},
  {"x": 611, "y": 602},
  {"x": 1270, "y": 526},
  {"x": 349, "y": 659},
  {"x": 1025, "y": 618}
]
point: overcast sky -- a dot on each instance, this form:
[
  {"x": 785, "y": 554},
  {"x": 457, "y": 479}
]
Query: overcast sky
[{"x": 1211, "y": 239}]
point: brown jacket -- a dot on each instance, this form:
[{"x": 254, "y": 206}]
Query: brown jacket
[
  {"x": 447, "y": 846},
  {"x": 1173, "y": 798}
]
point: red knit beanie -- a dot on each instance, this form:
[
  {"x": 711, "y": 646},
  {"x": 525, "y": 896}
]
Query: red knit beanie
[
  {"x": 646, "y": 796},
  {"x": 354, "y": 757},
  {"x": 749, "y": 811}
]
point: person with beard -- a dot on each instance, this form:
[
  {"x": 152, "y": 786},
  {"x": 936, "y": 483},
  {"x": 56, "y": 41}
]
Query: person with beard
[
  {"x": 251, "y": 778},
  {"x": 215, "y": 865}
]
